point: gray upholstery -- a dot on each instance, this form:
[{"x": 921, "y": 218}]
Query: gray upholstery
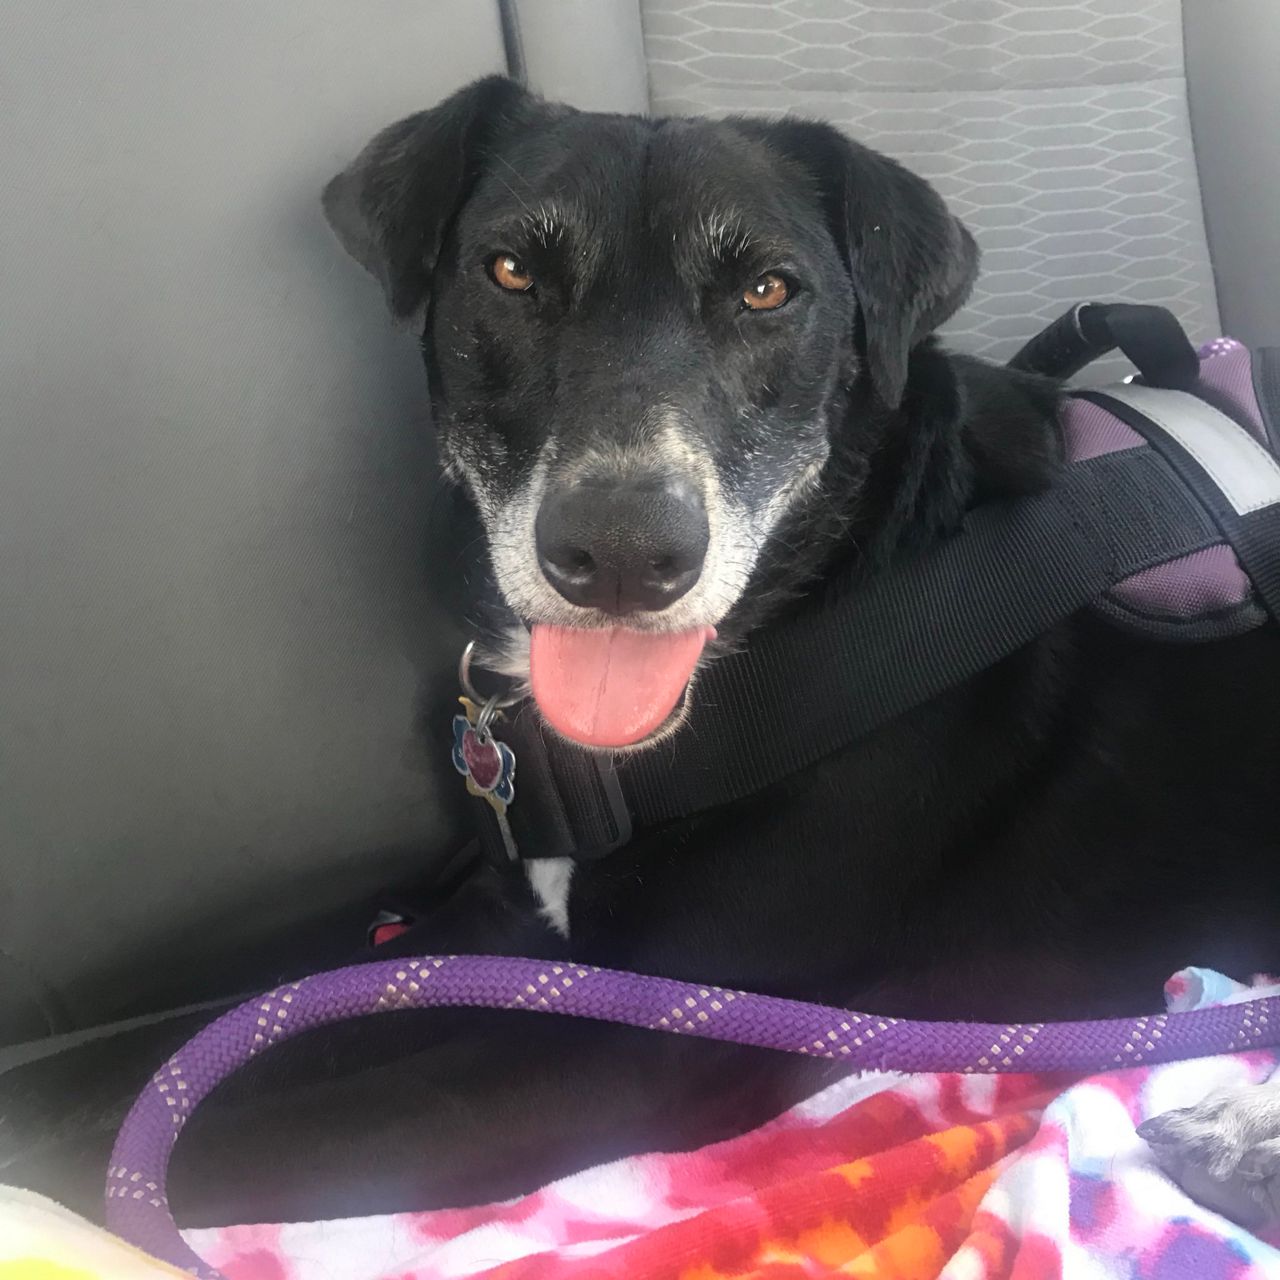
[
  {"x": 586, "y": 52},
  {"x": 1056, "y": 128},
  {"x": 215, "y": 611},
  {"x": 1233, "y": 73}
]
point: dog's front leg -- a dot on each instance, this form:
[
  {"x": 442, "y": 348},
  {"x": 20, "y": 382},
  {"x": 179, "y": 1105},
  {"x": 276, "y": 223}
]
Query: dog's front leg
[{"x": 1225, "y": 1151}]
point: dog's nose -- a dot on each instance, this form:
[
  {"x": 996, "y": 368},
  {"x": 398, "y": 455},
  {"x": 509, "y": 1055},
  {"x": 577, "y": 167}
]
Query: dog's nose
[{"x": 622, "y": 545}]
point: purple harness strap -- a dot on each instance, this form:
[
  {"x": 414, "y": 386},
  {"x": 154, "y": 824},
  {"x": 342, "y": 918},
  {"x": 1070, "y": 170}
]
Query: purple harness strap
[{"x": 137, "y": 1206}]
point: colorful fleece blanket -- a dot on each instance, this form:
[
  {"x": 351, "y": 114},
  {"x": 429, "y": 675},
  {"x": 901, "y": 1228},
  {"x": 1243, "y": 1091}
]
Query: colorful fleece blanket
[{"x": 904, "y": 1178}]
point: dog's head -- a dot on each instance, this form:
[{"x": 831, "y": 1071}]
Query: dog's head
[{"x": 641, "y": 338}]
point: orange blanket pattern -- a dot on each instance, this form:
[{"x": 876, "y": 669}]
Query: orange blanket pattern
[{"x": 896, "y": 1211}]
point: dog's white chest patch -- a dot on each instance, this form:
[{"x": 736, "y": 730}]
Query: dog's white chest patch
[{"x": 549, "y": 879}]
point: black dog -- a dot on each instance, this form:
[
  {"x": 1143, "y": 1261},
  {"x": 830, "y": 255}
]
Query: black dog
[{"x": 683, "y": 371}]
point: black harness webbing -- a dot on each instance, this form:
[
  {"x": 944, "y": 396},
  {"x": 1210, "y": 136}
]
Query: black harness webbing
[
  {"x": 1254, "y": 535},
  {"x": 1150, "y": 337}
]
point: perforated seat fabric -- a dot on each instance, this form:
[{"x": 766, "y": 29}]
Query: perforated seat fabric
[{"x": 1057, "y": 129}]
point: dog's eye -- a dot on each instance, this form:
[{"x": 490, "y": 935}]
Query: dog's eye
[
  {"x": 509, "y": 272},
  {"x": 767, "y": 293}
]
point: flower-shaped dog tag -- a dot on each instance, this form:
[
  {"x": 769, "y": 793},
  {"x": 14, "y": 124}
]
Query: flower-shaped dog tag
[{"x": 488, "y": 765}]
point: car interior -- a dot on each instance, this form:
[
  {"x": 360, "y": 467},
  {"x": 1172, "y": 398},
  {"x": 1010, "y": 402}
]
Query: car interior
[{"x": 229, "y": 610}]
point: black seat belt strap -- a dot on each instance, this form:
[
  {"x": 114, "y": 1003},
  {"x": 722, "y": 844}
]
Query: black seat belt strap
[
  {"x": 823, "y": 678},
  {"x": 872, "y": 649}
]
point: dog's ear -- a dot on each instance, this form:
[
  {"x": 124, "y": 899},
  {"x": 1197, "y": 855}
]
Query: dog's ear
[
  {"x": 392, "y": 206},
  {"x": 912, "y": 263}
]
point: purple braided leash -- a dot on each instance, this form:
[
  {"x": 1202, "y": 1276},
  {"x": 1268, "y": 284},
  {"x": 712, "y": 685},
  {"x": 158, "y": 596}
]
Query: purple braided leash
[{"x": 138, "y": 1208}]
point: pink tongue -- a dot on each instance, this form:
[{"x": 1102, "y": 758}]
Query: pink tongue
[{"x": 610, "y": 688}]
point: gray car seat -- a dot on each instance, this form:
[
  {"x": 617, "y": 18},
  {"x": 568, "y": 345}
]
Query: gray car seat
[
  {"x": 222, "y": 597},
  {"x": 1106, "y": 148},
  {"x": 217, "y": 607}
]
